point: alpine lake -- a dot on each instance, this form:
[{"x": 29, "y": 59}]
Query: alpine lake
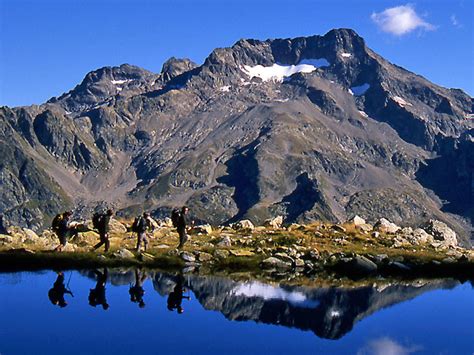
[{"x": 146, "y": 311}]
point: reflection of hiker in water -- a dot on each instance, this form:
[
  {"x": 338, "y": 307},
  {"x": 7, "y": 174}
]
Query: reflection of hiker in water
[
  {"x": 175, "y": 298},
  {"x": 97, "y": 294},
  {"x": 56, "y": 294},
  {"x": 136, "y": 291}
]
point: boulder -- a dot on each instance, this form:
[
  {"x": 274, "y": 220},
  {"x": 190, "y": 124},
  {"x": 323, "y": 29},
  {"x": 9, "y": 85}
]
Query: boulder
[
  {"x": 273, "y": 262},
  {"x": 274, "y": 223},
  {"x": 124, "y": 254},
  {"x": 284, "y": 257},
  {"x": 203, "y": 228},
  {"x": 202, "y": 256},
  {"x": 5, "y": 239},
  {"x": 385, "y": 226},
  {"x": 241, "y": 253},
  {"x": 365, "y": 227},
  {"x": 375, "y": 234},
  {"x": 117, "y": 226},
  {"x": 338, "y": 228},
  {"x": 167, "y": 222},
  {"x": 441, "y": 232},
  {"x": 224, "y": 242},
  {"x": 356, "y": 266},
  {"x": 221, "y": 254},
  {"x": 244, "y": 224},
  {"x": 421, "y": 237},
  {"x": 187, "y": 257},
  {"x": 30, "y": 234},
  {"x": 357, "y": 221}
]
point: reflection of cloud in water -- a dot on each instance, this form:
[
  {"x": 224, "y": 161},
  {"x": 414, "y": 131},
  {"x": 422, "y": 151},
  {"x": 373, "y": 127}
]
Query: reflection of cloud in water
[
  {"x": 267, "y": 292},
  {"x": 386, "y": 346}
]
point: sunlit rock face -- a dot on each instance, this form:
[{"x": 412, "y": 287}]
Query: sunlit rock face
[{"x": 316, "y": 127}]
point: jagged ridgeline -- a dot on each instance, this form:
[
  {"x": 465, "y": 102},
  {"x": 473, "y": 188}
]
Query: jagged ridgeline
[{"x": 316, "y": 127}]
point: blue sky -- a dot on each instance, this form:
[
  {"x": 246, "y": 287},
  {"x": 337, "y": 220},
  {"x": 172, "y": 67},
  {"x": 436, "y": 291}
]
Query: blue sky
[{"x": 47, "y": 47}]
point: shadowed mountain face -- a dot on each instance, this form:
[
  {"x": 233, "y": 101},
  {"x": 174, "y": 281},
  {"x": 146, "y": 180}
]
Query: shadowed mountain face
[
  {"x": 314, "y": 127},
  {"x": 329, "y": 312}
]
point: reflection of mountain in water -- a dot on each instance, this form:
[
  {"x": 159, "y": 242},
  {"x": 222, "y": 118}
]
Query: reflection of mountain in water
[{"x": 328, "y": 312}]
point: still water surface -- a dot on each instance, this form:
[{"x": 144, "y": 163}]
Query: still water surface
[{"x": 132, "y": 312}]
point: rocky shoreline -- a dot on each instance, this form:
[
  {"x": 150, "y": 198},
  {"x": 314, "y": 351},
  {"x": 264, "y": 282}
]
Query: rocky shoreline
[{"x": 354, "y": 249}]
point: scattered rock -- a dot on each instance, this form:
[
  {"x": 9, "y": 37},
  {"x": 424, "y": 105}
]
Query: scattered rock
[
  {"x": 365, "y": 227},
  {"x": 124, "y": 254},
  {"x": 357, "y": 221},
  {"x": 203, "y": 228},
  {"x": 117, "y": 227},
  {"x": 273, "y": 262},
  {"x": 187, "y": 257},
  {"x": 5, "y": 239},
  {"x": 295, "y": 226},
  {"x": 384, "y": 225},
  {"x": 440, "y": 231},
  {"x": 146, "y": 257},
  {"x": 299, "y": 263},
  {"x": 284, "y": 257},
  {"x": 203, "y": 257},
  {"x": 167, "y": 222},
  {"x": 221, "y": 254},
  {"x": 356, "y": 266},
  {"x": 241, "y": 253},
  {"x": 244, "y": 224},
  {"x": 375, "y": 234},
  {"x": 338, "y": 228},
  {"x": 274, "y": 223},
  {"x": 225, "y": 242}
]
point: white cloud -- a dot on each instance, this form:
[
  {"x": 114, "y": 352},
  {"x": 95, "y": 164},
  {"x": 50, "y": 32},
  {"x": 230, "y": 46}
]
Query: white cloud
[
  {"x": 386, "y": 346},
  {"x": 400, "y": 20},
  {"x": 454, "y": 21}
]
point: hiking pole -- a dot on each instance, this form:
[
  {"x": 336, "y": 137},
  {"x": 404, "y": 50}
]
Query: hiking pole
[{"x": 67, "y": 285}]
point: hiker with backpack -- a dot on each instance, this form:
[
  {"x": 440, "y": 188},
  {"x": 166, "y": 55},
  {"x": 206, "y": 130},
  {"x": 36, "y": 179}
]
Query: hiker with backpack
[
  {"x": 140, "y": 226},
  {"x": 136, "y": 291},
  {"x": 97, "y": 294},
  {"x": 100, "y": 221},
  {"x": 62, "y": 229},
  {"x": 57, "y": 292},
  {"x": 180, "y": 222}
]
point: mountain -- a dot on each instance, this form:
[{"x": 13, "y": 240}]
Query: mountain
[
  {"x": 316, "y": 127},
  {"x": 329, "y": 312}
]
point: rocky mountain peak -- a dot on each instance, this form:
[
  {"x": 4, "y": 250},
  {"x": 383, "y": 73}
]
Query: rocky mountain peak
[{"x": 174, "y": 67}]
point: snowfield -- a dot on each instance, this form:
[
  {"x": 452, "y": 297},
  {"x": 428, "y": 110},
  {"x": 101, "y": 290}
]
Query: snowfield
[{"x": 278, "y": 72}]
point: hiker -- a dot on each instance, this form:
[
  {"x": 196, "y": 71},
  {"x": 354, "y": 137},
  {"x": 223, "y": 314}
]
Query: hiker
[
  {"x": 175, "y": 298},
  {"x": 62, "y": 229},
  {"x": 140, "y": 225},
  {"x": 97, "y": 294},
  {"x": 101, "y": 221},
  {"x": 136, "y": 291},
  {"x": 56, "y": 294},
  {"x": 180, "y": 221}
]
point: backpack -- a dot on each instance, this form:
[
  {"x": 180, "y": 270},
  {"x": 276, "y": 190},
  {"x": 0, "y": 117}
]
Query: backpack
[
  {"x": 56, "y": 222},
  {"x": 96, "y": 220},
  {"x": 135, "y": 224},
  {"x": 175, "y": 217}
]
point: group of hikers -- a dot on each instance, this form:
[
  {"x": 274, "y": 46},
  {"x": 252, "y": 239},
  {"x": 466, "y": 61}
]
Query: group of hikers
[
  {"x": 97, "y": 295},
  {"x": 65, "y": 230}
]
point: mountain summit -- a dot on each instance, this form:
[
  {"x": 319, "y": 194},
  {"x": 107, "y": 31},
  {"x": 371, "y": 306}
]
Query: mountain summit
[{"x": 316, "y": 127}]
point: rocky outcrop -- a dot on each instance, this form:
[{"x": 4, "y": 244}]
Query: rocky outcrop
[{"x": 441, "y": 232}]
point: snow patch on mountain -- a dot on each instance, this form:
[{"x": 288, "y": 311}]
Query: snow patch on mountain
[
  {"x": 225, "y": 88},
  {"x": 267, "y": 292},
  {"x": 120, "y": 82},
  {"x": 346, "y": 55},
  {"x": 278, "y": 72}
]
